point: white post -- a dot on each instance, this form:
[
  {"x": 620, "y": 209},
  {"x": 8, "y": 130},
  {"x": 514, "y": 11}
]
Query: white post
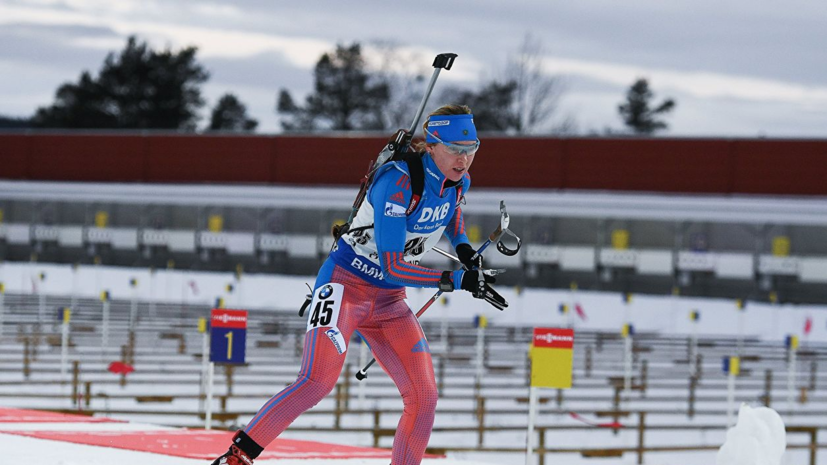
[
  {"x": 41, "y": 305},
  {"x": 205, "y": 360},
  {"x": 152, "y": 294},
  {"x": 480, "y": 355},
  {"x": 791, "y": 377},
  {"x": 208, "y": 415},
  {"x": 105, "y": 326},
  {"x": 133, "y": 309},
  {"x": 740, "y": 348},
  {"x": 97, "y": 275},
  {"x": 730, "y": 400},
  {"x": 443, "y": 329},
  {"x": 693, "y": 350},
  {"x": 239, "y": 298},
  {"x": 363, "y": 359},
  {"x": 74, "y": 286},
  {"x": 673, "y": 309},
  {"x": 532, "y": 412},
  {"x": 627, "y": 364},
  {"x": 64, "y": 345},
  {"x": 2, "y": 306}
]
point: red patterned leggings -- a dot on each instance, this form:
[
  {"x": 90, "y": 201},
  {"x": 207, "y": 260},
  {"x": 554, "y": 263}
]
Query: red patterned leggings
[{"x": 394, "y": 335}]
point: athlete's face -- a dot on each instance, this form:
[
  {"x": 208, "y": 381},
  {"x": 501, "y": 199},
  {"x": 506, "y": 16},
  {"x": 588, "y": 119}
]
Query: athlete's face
[{"x": 452, "y": 165}]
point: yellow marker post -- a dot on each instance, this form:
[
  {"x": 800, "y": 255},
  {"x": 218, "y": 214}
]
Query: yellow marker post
[
  {"x": 628, "y": 333},
  {"x": 792, "y": 348},
  {"x": 620, "y": 239},
  {"x": 552, "y": 355},
  {"x": 627, "y": 307},
  {"x": 215, "y": 223},
  {"x": 781, "y": 246},
  {"x": 732, "y": 368},
  {"x": 101, "y": 219},
  {"x": 474, "y": 234},
  {"x": 694, "y": 317}
]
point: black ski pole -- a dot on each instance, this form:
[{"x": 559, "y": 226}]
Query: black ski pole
[
  {"x": 496, "y": 235},
  {"x": 402, "y": 139}
]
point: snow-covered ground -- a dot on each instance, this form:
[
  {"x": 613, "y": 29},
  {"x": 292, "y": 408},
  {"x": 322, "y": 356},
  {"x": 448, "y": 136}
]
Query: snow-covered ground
[{"x": 606, "y": 312}]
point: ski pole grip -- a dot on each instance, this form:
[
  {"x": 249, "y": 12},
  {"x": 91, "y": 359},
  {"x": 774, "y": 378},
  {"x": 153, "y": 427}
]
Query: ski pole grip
[{"x": 444, "y": 60}]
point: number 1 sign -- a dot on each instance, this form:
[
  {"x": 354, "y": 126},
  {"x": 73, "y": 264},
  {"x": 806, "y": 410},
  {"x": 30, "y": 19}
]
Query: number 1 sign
[{"x": 228, "y": 336}]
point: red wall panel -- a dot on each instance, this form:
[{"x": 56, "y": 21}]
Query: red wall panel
[
  {"x": 780, "y": 167},
  {"x": 204, "y": 159},
  {"x": 719, "y": 166},
  {"x": 666, "y": 165},
  {"x": 14, "y": 156},
  {"x": 87, "y": 158},
  {"x": 324, "y": 160},
  {"x": 519, "y": 163}
]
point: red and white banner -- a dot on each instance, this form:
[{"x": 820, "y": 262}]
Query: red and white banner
[
  {"x": 557, "y": 338},
  {"x": 222, "y": 318}
]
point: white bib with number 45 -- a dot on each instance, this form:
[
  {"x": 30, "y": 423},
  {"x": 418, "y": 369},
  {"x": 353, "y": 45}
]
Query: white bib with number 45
[{"x": 324, "y": 313}]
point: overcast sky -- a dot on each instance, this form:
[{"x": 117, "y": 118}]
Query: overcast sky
[{"x": 735, "y": 68}]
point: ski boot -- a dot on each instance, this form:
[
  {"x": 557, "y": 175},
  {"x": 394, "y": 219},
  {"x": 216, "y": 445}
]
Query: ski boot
[{"x": 242, "y": 452}]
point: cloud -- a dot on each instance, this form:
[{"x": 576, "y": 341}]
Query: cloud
[{"x": 697, "y": 84}]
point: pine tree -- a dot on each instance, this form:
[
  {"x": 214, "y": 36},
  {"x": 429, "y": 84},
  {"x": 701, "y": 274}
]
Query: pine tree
[
  {"x": 637, "y": 112},
  {"x": 346, "y": 96},
  {"x": 229, "y": 114},
  {"x": 139, "y": 88}
]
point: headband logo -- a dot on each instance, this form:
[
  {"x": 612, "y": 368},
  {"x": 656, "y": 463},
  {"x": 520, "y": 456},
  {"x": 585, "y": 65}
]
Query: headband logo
[{"x": 444, "y": 122}]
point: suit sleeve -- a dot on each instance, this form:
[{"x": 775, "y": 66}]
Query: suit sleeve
[{"x": 390, "y": 196}]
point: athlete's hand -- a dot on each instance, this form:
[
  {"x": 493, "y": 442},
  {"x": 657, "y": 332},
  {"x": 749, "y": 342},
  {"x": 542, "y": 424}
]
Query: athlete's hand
[
  {"x": 481, "y": 289},
  {"x": 466, "y": 253},
  {"x": 472, "y": 283}
]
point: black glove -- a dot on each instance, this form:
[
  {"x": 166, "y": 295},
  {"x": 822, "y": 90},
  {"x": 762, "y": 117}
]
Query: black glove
[
  {"x": 477, "y": 284},
  {"x": 466, "y": 254}
]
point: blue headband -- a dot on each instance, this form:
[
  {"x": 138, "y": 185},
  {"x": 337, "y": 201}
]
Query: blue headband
[{"x": 451, "y": 128}]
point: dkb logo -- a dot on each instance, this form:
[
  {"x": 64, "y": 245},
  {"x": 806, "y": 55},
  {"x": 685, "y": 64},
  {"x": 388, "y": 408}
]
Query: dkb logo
[{"x": 434, "y": 214}]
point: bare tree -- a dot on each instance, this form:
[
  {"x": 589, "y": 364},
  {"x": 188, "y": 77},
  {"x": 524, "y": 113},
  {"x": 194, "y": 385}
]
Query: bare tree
[{"x": 537, "y": 94}]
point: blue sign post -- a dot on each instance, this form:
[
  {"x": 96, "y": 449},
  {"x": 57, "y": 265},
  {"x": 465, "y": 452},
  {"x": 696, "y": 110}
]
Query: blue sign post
[{"x": 228, "y": 344}]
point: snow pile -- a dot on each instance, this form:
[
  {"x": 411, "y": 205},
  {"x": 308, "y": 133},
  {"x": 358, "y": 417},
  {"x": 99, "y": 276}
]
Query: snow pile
[{"x": 759, "y": 438}]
